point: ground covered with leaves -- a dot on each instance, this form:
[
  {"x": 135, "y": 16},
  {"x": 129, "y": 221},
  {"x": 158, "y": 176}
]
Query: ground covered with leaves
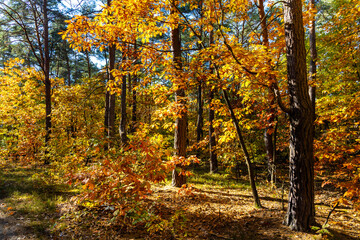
[{"x": 214, "y": 206}]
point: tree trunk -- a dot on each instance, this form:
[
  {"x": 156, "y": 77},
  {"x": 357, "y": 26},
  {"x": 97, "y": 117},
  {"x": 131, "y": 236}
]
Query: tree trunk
[
  {"x": 68, "y": 70},
  {"x": 268, "y": 136},
  {"x": 246, "y": 153},
  {"x": 88, "y": 63},
  {"x": 212, "y": 140},
  {"x": 111, "y": 110},
  {"x": 178, "y": 179},
  {"x": 106, "y": 119},
  {"x": 312, "y": 89},
  {"x": 313, "y": 59},
  {"x": 200, "y": 118},
  {"x": 300, "y": 213},
  {"x": 134, "y": 100},
  {"x": 47, "y": 81},
  {"x": 122, "y": 127}
]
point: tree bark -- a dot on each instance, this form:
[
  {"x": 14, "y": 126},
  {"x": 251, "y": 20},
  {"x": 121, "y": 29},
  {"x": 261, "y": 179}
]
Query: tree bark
[
  {"x": 312, "y": 89},
  {"x": 246, "y": 153},
  {"x": 134, "y": 100},
  {"x": 68, "y": 69},
  {"x": 122, "y": 127},
  {"x": 106, "y": 119},
  {"x": 214, "y": 168},
  {"x": 200, "y": 118},
  {"x": 313, "y": 59},
  {"x": 112, "y": 99},
  {"x": 88, "y": 63},
  {"x": 300, "y": 213},
  {"x": 178, "y": 179},
  {"x": 268, "y": 136},
  {"x": 47, "y": 80}
]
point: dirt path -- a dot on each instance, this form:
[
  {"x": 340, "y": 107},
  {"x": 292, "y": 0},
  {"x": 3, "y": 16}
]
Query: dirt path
[{"x": 10, "y": 227}]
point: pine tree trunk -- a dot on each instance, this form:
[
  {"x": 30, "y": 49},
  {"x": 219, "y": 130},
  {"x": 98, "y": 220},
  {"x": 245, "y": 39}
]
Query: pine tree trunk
[
  {"x": 112, "y": 99},
  {"x": 268, "y": 137},
  {"x": 313, "y": 59},
  {"x": 214, "y": 168},
  {"x": 200, "y": 118},
  {"x": 106, "y": 119},
  {"x": 312, "y": 89},
  {"x": 88, "y": 63},
  {"x": 68, "y": 70},
  {"x": 178, "y": 179},
  {"x": 300, "y": 213},
  {"x": 134, "y": 100},
  {"x": 122, "y": 127},
  {"x": 47, "y": 81},
  {"x": 212, "y": 140}
]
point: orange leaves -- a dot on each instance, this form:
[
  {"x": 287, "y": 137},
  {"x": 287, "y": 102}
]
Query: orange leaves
[
  {"x": 122, "y": 178},
  {"x": 181, "y": 163}
]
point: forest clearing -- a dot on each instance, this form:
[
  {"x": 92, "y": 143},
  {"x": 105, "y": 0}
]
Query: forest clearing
[{"x": 179, "y": 119}]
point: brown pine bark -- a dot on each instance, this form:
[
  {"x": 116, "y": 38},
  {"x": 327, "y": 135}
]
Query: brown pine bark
[
  {"x": 109, "y": 118},
  {"x": 300, "y": 213},
  {"x": 87, "y": 54},
  {"x": 122, "y": 127},
  {"x": 47, "y": 80},
  {"x": 268, "y": 137},
  {"x": 214, "y": 168},
  {"x": 134, "y": 100},
  {"x": 313, "y": 58},
  {"x": 134, "y": 105},
  {"x": 112, "y": 99},
  {"x": 178, "y": 179},
  {"x": 200, "y": 118},
  {"x": 68, "y": 69}
]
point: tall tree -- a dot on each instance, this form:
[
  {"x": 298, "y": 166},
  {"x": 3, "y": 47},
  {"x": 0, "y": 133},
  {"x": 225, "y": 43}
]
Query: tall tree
[
  {"x": 300, "y": 213},
  {"x": 47, "y": 74},
  {"x": 212, "y": 140},
  {"x": 178, "y": 178},
  {"x": 134, "y": 86},
  {"x": 313, "y": 55},
  {"x": 110, "y": 97},
  {"x": 37, "y": 38},
  {"x": 110, "y": 101},
  {"x": 122, "y": 127},
  {"x": 269, "y": 130}
]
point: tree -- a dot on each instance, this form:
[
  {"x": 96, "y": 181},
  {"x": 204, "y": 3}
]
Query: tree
[
  {"x": 178, "y": 178},
  {"x": 301, "y": 208},
  {"x": 337, "y": 102},
  {"x": 269, "y": 131},
  {"x": 38, "y": 41},
  {"x": 122, "y": 126},
  {"x": 212, "y": 140}
]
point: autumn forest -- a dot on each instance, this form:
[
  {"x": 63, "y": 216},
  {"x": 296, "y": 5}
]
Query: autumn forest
[{"x": 172, "y": 119}]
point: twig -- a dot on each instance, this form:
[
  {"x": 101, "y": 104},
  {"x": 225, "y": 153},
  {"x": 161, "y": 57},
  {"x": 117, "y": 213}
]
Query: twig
[{"x": 327, "y": 219}]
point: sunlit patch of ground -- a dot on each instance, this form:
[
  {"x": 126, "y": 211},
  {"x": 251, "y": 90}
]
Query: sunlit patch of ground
[{"x": 212, "y": 207}]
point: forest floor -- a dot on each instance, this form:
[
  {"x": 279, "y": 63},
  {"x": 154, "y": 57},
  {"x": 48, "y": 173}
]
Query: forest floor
[{"x": 214, "y": 207}]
